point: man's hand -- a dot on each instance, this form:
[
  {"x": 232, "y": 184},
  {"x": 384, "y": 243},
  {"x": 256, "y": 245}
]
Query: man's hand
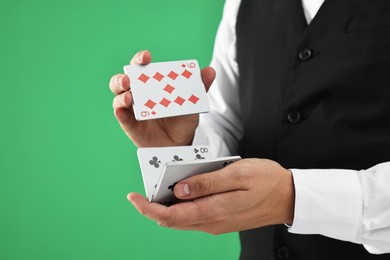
[
  {"x": 247, "y": 194},
  {"x": 173, "y": 131}
]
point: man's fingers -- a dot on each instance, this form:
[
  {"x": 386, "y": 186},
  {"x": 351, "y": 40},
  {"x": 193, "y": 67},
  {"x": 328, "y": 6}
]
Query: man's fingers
[
  {"x": 122, "y": 100},
  {"x": 126, "y": 119},
  {"x": 123, "y": 111},
  {"x": 206, "y": 184},
  {"x": 178, "y": 215},
  {"x": 150, "y": 210},
  {"x": 142, "y": 57},
  {"x": 119, "y": 83},
  {"x": 208, "y": 76}
]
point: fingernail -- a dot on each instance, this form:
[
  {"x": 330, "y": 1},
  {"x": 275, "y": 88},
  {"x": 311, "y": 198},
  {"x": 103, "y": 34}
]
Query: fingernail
[
  {"x": 129, "y": 198},
  {"x": 139, "y": 59},
  {"x": 183, "y": 189},
  {"x": 119, "y": 81},
  {"x": 125, "y": 98},
  {"x": 122, "y": 99}
]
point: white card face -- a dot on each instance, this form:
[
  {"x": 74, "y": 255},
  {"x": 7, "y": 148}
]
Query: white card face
[
  {"x": 174, "y": 172},
  {"x": 166, "y": 89},
  {"x": 153, "y": 159}
]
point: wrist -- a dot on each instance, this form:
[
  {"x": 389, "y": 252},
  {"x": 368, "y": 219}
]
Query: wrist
[{"x": 288, "y": 198}]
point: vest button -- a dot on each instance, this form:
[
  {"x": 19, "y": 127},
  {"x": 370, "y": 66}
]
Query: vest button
[
  {"x": 283, "y": 252},
  {"x": 294, "y": 117},
  {"x": 305, "y": 54}
]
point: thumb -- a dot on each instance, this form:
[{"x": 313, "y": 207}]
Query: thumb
[
  {"x": 207, "y": 183},
  {"x": 208, "y": 75}
]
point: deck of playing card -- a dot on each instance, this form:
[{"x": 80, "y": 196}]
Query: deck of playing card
[
  {"x": 173, "y": 172},
  {"x": 166, "y": 89},
  {"x": 152, "y": 161}
]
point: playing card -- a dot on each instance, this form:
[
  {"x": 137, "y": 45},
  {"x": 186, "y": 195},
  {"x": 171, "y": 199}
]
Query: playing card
[
  {"x": 174, "y": 172},
  {"x": 152, "y": 161},
  {"x": 167, "y": 89}
]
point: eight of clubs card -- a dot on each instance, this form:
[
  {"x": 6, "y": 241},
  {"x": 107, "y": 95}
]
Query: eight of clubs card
[
  {"x": 166, "y": 89},
  {"x": 153, "y": 159},
  {"x": 174, "y": 172}
]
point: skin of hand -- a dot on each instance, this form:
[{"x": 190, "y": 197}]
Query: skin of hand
[
  {"x": 247, "y": 194},
  {"x": 173, "y": 131}
]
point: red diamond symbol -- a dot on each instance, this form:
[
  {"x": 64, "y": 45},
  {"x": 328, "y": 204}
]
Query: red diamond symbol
[
  {"x": 150, "y": 104},
  {"x": 168, "y": 88},
  {"x": 183, "y": 65},
  {"x": 173, "y": 75},
  {"x": 153, "y": 113},
  {"x": 193, "y": 99},
  {"x": 143, "y": 78},
  {"x": 158, "y": 76},
  {"x": 165, "y": 102},
  {"x": 186, "y": 74},
  {"x": 179, "y": 100}
]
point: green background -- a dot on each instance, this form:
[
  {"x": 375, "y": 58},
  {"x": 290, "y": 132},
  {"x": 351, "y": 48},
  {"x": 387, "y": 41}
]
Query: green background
[{"x": 65, "y": 165}]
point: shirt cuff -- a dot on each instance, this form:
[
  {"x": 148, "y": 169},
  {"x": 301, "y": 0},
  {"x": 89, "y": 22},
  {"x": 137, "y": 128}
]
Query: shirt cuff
[{"x": 327, "y": 202}]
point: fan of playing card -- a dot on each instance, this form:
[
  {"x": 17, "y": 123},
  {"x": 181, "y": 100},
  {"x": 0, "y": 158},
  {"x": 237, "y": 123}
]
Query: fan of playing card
[
  {"x": 163, "y": 167},
  {"x": 167, "y": 89}
]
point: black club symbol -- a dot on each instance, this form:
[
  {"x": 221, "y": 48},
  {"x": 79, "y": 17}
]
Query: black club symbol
[
  {"x": 176, "y": 158},
  {"x": 198, "y": 157},
  {"x": 155, "y": 162},
  {"x": 171, "y": 187}
]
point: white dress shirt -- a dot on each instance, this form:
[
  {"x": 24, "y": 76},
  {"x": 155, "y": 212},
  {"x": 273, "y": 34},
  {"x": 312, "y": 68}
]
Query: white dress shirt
[{"x": 338, "y": 203}]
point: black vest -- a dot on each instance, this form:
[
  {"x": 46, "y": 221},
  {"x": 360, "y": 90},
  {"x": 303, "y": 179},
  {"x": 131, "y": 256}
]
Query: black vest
[{"x": 314, "y": 96}]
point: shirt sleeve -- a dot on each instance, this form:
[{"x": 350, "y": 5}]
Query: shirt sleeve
[
  {"x": 345, "y": 204},
  {"x": 221, "y": 128}
]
